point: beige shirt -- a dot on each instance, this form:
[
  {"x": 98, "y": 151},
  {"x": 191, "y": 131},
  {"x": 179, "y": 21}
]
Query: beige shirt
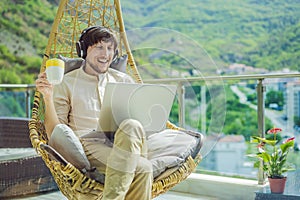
[{"x": 78, "y": 98}]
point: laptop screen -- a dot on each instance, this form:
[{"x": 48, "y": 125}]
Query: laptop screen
[{"x": 150, "y": 104}]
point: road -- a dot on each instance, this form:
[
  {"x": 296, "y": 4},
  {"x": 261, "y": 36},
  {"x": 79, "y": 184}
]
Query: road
[{"x": 273, "y": 115}]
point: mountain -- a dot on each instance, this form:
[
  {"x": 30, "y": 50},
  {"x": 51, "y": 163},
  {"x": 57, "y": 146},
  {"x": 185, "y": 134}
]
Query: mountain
[
  {"x": 258, "y": 33},
  {"x": 24, "y": 29}
]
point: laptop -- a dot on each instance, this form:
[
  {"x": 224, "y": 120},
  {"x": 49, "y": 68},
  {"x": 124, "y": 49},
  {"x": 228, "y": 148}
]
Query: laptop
[{"x": 150, "y": 104}]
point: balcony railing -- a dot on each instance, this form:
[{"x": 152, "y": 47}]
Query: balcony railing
[
  {"x": 260, "y": 91},
  {"x": 28, "y": 94}
]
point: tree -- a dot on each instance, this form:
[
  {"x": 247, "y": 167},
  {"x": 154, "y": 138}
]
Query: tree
[{"x": 275, "y": 97}]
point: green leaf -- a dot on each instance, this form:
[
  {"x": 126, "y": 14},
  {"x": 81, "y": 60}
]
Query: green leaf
[
  {"x": 270, "y": 142},
  {"x": 285, "y": 146},
  {"x": 256, "y": 164},
  {"x": 265, "y": 156}
]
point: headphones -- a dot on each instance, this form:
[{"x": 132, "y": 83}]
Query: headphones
[{"x": 81, "y": 47}]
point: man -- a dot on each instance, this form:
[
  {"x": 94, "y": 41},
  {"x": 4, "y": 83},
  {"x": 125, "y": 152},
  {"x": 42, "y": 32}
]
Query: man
[{"x": 73, "y": 107}]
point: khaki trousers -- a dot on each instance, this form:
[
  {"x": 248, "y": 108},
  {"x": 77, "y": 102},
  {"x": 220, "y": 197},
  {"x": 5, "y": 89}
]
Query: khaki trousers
[{"x": 127, "y": 170}]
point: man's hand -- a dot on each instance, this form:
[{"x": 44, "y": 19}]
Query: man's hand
[{"x": 44, "y": 87}]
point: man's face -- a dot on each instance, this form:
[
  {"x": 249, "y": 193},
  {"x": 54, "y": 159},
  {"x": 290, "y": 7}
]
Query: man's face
[{"x": 99, "y": 57}]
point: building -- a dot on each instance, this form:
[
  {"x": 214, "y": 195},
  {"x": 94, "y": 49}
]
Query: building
[
  {"x": 292, "y": 103},
  {"x": 227, "y": 155}
]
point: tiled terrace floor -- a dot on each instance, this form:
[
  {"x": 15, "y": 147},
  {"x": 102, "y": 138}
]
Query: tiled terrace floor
[{"x": 168, "y": 196}]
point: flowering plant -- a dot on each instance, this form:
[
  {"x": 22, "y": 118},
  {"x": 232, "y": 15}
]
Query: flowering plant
[{"x": 274, "y": 156}]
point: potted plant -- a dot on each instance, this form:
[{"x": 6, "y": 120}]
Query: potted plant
[{"x": 274, "y": 157}]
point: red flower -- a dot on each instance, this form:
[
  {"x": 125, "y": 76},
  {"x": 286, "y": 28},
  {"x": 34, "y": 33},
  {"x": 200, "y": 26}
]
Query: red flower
[
  {"x": 274, "y": 130},
  {"x": 289, "y": 139},
  {"x": 261, "y": 145}
]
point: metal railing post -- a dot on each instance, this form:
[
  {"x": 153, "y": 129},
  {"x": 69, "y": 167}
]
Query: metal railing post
[
  {"x": 203, "y": 109},
  {"x": 28, "y": 105},
  {"x": 181, "y": 104},
  {"x": 260, "y": 88}
]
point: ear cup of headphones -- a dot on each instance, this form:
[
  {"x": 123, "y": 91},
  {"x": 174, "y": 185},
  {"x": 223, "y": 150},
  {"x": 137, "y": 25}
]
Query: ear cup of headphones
[
  {"x": 80, "y": 45},
  {"x": 80, "y": 48},
  {"x": 116, "y": 55}
]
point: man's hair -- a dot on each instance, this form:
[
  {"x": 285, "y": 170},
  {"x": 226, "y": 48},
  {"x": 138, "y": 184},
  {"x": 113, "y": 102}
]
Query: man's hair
[
  {"x": 99, "y": 34},
  {"x": 94, "y": 35}
]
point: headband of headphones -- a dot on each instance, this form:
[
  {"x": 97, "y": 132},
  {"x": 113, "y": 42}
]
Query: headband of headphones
[{"x": 81, "y": 47}]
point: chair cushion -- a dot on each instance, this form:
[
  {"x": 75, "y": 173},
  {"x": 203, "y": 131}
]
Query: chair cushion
[
  {"x": 166, "y": 150},
  {"x": 170, "y": 148},
  {"x": 66, "y": 143},
  {"x": 119, "y": 63}
]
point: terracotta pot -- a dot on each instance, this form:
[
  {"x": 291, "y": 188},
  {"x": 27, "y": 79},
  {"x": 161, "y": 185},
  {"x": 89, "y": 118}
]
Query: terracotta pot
[{"x": 277, "y": 185}]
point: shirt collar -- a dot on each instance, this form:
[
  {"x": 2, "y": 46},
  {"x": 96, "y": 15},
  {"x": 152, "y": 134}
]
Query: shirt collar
[{"x": 87, "y": 76}]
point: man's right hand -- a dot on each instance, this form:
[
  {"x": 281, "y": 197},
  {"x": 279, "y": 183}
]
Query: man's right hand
[{"x": 43, "y": 86}]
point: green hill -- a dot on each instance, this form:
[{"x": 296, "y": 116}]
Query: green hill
[
  {"x": 259, "y": 33},
  {"x": 24, "y": 28}
]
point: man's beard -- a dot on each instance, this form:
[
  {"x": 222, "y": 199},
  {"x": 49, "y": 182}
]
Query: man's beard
[{"x": 97, "y": 69}]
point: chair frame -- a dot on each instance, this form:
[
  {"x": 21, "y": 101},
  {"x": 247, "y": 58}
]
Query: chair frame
[{"x": 70, "y": 20}]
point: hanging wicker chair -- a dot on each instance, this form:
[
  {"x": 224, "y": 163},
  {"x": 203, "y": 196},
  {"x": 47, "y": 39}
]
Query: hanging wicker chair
[{"x": 71, "y": 18}]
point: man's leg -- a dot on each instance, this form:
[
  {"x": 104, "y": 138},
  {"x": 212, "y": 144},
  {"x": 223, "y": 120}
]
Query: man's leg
[
  {"x": 126, "y": 162},
  {"x": 142, "y": 183}
]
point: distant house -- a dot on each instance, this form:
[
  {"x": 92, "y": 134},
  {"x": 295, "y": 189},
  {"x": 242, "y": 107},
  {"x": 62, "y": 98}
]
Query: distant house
[
  {"x": 238, "y": 69},
  {"x": 228, "y": 155}
]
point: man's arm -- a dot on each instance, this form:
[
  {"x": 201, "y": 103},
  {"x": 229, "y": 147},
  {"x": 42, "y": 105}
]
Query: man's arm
[
  {"x": 51, "y": 119},
  {"x": 46, "y": 89}
]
